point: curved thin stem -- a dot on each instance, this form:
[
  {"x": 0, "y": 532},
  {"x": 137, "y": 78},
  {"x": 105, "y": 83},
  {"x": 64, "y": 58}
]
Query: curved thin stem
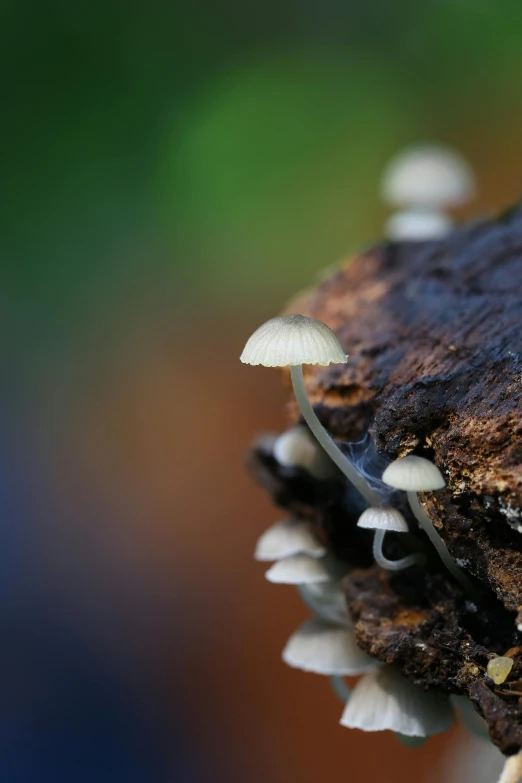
[
  {"x": 391, "y": 565},
  {"x": 332, "y": 449},
  {"x": 428, "y": 527}
]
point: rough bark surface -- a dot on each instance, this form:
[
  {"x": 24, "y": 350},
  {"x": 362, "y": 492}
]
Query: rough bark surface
[{"x": 434, "y": 335}]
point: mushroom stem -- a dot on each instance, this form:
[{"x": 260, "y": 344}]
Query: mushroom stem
[
  {"x": 340, "y": 688},
  {"x": 427, "y": 525},
  {"x": 391, "y": 565},
  {"x": 332, "y": 449}
]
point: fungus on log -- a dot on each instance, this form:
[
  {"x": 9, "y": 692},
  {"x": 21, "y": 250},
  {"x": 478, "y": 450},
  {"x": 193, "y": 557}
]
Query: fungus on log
[{"x": 434, "y": 335}]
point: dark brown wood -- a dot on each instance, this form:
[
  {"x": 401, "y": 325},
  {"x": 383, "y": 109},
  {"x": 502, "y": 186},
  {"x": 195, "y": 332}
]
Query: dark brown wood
[{"x": 434, "y": 335}]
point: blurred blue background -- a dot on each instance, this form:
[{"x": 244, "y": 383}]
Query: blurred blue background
[{"x": 171, "y": 175}]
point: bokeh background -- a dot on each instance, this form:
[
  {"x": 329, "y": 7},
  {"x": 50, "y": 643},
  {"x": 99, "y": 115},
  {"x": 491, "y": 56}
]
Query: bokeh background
[{"x": 172, "y": 174}]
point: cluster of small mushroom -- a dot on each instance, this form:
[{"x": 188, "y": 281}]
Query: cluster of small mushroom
[
  {"x": 326, "y": 644},
  {"x": 423, "y": 182}
]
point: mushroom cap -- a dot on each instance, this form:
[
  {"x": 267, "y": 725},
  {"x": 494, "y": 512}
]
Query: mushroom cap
[
  {"x": 384, "y": 699},
  {"x": 298, "y": 448},
  {"x": 417, "y": 225},
  {"x": 430, "y": 175},
  {"x": 288, "y": 538},
  {"x": 293, "y": 340},
  {"x": 413, "y": 474},
  {"x": 384, "y": 518},
  {"x": 297, "y": 570},
  {"x": 324, "y": 648}
]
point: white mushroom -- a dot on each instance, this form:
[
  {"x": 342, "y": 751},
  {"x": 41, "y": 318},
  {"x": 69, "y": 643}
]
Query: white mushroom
[
  {"x": 324, "y": 648},
  {"x": 383, "y": 699},
  {"x": 416, "y": 225},
  {"x": 287, "y": 538},
  {"x": 297, "y": 448},
  {"x": 297, "y": 570},
  {"x": 430, "y": 176},
  {"x": 381, "y": 519},
  {"x": 293, "y": 341},
  {"x": 413, "y": 473},
  {"x": 416, "y": 474}
]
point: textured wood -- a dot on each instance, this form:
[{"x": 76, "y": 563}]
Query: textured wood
[{"x": 434, "y": 336}]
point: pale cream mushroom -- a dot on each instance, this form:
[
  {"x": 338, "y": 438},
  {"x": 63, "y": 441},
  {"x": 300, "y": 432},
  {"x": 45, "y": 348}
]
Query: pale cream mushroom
[
  {"x": 416, "y": 474},
  {"x": 384, "y": 699},
  {"x": 297, "y": 570},
  {"x": 325, "y": 648},
  {"x": 430, "y": 176},
  {"x": 287, "y": 538},
  {"x": 381, "y": 519},
  {"x": 291, "y": 341}
]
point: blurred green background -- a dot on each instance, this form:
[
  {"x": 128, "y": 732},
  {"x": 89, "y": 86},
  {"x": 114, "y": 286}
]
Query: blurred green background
[
  {"x": 230, "y": 150},
  {"x": 171, "y": 175}
]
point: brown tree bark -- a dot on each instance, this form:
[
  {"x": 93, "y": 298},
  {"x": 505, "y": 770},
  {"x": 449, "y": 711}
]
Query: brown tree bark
[{"x": 434, "y": 335}]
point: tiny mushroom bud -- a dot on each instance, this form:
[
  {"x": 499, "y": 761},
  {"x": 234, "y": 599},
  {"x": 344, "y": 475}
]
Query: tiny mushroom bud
[
  {"x": 431, "y": 176},
  {"x": 324, "y": 648},
  {"x": 499, "y": 668},
  {"x": 415, "y": 225},
  {"x": 297, "y": 448},
  {"x": 293, "y": 341},
  {"x": 417, "y": 474},
  {"x": 382, "y": 519}
]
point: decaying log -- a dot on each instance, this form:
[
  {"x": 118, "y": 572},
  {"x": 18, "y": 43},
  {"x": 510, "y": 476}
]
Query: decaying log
[{"x": 434, "y": 334}]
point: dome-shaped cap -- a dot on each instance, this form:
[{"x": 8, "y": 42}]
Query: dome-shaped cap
[
  {"x": 427, "y": 176},
  {"x": 384, "y": 518},
  {"x": 292, "y": 340},
  {"x": 413, "y": 474}
]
